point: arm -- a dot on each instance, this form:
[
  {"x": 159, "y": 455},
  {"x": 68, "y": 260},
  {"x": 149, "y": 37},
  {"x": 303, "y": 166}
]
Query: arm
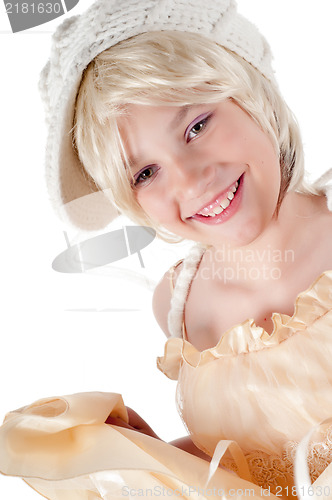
[
  {"x": 161, "y": 306},
  {"x": 186, "y": 444},
  {"x": 136, "y": 423}
]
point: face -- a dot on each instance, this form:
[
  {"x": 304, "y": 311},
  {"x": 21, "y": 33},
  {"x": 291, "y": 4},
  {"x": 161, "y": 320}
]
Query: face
[{"x": 207, "y": 173}]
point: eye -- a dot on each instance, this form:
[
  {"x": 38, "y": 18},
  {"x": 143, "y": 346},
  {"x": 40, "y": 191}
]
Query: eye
[
  {"x": 197, "y": 127},
  {"x": 144, "y": 175}
]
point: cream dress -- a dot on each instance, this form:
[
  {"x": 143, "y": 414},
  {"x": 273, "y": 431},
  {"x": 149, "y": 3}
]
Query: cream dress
[{"x": 248, "y": 401}]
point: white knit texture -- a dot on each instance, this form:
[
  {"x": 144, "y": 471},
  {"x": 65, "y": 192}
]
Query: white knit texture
[
  {"x": 181, "y": 290},
  {"x": 80, "y": 39}
]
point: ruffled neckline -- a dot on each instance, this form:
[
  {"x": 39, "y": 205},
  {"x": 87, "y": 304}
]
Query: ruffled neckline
[{"x": 247, "y": 337}]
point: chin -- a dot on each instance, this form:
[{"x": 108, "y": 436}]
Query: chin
[{"x": 251, "y": 234}]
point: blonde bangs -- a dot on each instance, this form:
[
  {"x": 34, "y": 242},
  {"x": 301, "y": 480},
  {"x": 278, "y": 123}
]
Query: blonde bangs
[{"x": 173, "y": 69}]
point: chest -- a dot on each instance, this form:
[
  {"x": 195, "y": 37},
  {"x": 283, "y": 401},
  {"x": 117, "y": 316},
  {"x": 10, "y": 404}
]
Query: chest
[{"x": 213, "y": 308}]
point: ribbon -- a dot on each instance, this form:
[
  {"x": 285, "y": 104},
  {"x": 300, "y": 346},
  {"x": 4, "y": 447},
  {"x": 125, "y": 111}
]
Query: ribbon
[
  {"x": 306, "y": 490},
  {"x": 237, "y": 456}
]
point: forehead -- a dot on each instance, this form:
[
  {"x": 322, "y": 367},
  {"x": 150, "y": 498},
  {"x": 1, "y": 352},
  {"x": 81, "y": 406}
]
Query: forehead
[
  {"x": 144, "y": 125},
  {"x": 168, "y": 115}
]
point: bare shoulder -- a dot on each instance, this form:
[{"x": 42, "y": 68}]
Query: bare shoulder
[{"x": 161, "y": 302}]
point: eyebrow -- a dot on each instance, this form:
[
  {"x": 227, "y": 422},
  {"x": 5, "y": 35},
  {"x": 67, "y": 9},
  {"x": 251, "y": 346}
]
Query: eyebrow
[{"x": 180, "y": 115}]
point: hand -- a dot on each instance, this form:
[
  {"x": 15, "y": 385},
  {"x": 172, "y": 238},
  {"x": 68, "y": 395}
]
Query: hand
[{"x": 136, "y": 423}]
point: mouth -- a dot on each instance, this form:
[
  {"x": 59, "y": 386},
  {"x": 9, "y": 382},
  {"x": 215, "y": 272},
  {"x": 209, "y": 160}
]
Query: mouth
[{"x": 222, "y": 207}]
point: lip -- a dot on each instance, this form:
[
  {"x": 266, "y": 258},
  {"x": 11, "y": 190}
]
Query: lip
[{"x": 225, "y": 214}]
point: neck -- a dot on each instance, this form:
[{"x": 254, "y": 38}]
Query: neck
[{"x": 284, "y": 241}]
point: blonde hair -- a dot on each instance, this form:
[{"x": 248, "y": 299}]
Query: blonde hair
[{"x": 172, "y": 68}]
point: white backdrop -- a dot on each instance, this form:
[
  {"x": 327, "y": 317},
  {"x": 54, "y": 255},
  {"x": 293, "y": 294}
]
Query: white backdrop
[{"x": 71, "y": 333}]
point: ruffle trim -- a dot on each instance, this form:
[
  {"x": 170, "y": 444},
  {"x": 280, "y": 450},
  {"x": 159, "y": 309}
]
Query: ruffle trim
[{"x": 246, "y": 337}]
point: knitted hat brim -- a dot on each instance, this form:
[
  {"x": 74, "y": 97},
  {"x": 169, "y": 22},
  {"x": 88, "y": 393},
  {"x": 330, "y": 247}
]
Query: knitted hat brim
[{"x": 78, "y": 41}]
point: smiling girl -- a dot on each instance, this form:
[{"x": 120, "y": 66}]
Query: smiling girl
[{"x": 169, "y": 111}]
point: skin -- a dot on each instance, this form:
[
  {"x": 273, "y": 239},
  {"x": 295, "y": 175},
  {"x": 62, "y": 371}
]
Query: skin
[
  {"x": 136, "y": 423},
  {"x": 186, "y": 162},
  {"x": 181, "y": 160}
]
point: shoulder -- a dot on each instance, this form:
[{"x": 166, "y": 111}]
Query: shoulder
[{"x": 161, "y": 302}]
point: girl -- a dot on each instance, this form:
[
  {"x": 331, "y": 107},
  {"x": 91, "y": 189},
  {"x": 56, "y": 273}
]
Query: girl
[{"x": 169, "y": 112}]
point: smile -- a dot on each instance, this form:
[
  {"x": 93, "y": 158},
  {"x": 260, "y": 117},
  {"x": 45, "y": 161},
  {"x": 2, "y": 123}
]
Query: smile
[
  {"x": 223, "y": 206},
  {"x": 217, "y": 207}
]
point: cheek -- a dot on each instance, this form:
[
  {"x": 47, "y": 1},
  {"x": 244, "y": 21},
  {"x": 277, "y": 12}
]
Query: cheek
[
  {"x": 265, "y": 159},
  {"x": 268, "y": 180},
  {"x": 159, "y": 210},
  {"x": 272, "y": 172},
  {"x": 229, "y": 143}
]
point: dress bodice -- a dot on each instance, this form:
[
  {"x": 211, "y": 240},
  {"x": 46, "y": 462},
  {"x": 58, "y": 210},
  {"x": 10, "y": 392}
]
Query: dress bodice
[
  {"x": 258, "y": 389},
  {"x": 263, "y": 391}
]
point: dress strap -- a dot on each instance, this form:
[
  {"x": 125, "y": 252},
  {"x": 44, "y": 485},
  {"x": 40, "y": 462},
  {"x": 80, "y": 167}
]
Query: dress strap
[
  {"x": 324, "y": 183},
  {"x": 171, "y": 275},
  {"x": 176, "y": 325}
]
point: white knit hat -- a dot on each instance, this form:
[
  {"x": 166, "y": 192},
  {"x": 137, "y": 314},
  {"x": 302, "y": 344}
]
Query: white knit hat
[{"x": 80, "y": 39}]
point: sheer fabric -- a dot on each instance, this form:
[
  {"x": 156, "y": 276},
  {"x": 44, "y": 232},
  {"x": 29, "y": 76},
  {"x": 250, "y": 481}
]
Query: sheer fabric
[
  {"x": 248, "y": 401},
  {"x": 265, "y": 392},
  {"x": 64, "y": 450}
]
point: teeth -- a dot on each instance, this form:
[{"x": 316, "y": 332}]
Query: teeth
[
  {"x": 218, "y": 210},
  {"x": 224, "y": 203}
]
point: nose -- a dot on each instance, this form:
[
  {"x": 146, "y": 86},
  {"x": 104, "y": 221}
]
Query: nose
[{"x": 190, "y": 177}]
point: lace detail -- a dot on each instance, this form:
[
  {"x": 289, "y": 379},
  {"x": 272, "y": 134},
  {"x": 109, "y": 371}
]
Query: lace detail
[
  {"x": 319, "y": 453},
  {"x": 271, "y": 472},
  {"x": 276, "y": 472}
]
